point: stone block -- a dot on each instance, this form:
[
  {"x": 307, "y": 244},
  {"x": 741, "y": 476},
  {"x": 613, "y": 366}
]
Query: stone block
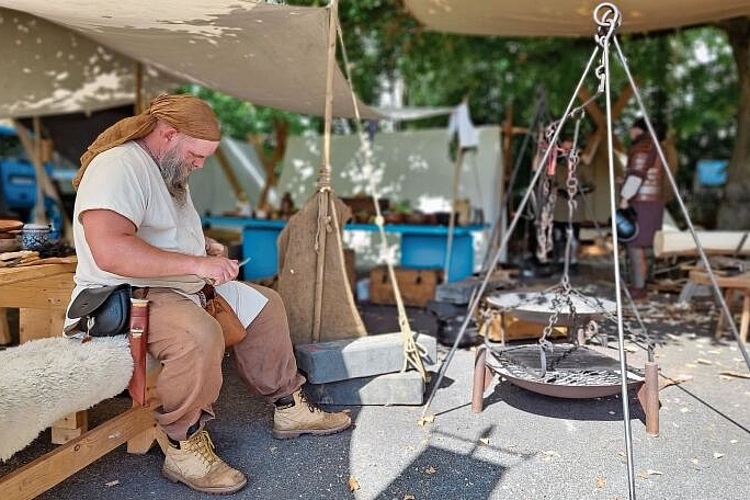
[{"x": 345, "y": 359}]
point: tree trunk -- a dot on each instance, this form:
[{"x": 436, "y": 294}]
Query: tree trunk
[{"x": 734, "y": 212}]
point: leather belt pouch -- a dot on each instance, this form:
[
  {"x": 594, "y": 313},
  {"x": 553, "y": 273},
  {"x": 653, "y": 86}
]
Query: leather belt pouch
[
  {"x": 222, "y": 312},
  {"x": 105, "y": 310}
]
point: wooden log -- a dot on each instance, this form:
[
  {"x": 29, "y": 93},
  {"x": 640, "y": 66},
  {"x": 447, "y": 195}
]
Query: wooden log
[{"x": 668, "y": 243}]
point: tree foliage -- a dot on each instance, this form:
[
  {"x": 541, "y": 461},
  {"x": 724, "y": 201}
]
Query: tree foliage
[{"x": 687, "y": 78}]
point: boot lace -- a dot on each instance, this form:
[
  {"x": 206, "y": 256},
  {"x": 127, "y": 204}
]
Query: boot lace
[
  {"x": 201, "y": 444},
  {"x": 312, "y": 407}
]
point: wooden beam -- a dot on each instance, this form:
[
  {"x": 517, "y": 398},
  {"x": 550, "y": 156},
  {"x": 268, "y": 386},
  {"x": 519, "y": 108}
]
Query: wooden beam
[{"x": 54, "y": 467}]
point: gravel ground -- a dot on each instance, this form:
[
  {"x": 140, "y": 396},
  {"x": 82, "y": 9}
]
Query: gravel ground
[{"x": 522, "y": 445}]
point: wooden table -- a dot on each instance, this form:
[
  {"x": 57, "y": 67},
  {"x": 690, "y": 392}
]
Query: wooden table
[
  {"x": 729, "y": 284},
  {"x": 41, "y": 293}
]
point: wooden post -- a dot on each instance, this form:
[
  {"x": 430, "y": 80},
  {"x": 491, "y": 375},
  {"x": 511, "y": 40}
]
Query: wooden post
[
  {"x": 452, "y": 217},
  {"x": 5, "y": 336},
  {"x": 324, "y": 191}
]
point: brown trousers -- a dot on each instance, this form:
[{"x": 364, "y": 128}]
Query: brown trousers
[{"x": 189, "y": 344}]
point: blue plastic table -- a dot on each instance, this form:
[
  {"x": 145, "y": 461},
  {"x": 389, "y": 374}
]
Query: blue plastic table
[{"x": 422, "y": 246}]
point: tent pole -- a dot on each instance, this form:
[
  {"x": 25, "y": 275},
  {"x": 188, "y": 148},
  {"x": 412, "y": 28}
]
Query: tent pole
[
  {"x": 452, "y": 217},
  {"x": 138, "y": 105},
  {"x": 324, "y": 183},
  {"x": 40, "y": 214}
]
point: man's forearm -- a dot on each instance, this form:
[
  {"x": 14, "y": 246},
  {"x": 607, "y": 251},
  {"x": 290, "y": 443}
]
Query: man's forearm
[{"x": 131, "y": 256}]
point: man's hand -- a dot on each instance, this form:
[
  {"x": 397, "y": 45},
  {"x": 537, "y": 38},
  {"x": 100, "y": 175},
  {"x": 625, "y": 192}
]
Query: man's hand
[
  {"x": 218, "y": 270},
  {"x": 624, "y": 203},
  {"x": 215, "y": 249}
]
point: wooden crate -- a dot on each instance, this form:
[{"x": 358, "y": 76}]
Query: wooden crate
[
  {"x": 417, "y": 286},
  {"x": 505, "y": 326}
]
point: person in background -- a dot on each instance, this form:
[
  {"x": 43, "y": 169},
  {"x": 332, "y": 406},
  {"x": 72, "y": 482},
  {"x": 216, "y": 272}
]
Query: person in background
[
  {"x": 643, "y": 191},
  {"x": 135, "y": 223}
]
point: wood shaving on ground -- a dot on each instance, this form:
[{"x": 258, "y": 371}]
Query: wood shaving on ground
[
  {"x": 649, "y": 473},
  {"x": 426, "y": 420},
  {"x": 353, "y": 484},
  {"x": 674, "y": 381}
]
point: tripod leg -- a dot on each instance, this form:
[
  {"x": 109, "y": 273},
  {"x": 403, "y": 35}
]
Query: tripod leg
[
  {"x": 648, "y": 396},
  {"x": 481, "y": 373}
]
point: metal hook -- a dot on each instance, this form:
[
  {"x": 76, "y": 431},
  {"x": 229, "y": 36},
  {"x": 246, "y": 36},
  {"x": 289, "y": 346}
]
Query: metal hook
[{"x": 606, "y": 15}]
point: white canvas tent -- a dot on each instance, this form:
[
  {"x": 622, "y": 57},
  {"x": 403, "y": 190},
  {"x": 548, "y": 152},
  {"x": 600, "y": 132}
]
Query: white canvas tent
[
  {"x": 410, "y": 165},
  {"x": 77, "y": 55},
  {"x": 566, "y": 18}
]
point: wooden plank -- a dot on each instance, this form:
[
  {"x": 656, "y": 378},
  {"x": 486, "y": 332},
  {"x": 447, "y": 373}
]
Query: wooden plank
[
  {"x": 700, "y": 277},
  {"x": 9, "y": 275},
  {"x": 667, "y": 243},
  {"x": 56, "y": 466},
  {"x": 48, "y": 292}
]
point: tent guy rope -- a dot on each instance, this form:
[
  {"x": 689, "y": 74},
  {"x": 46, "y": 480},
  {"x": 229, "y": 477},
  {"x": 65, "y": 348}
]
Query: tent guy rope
[{"x": 413, "y": 352}]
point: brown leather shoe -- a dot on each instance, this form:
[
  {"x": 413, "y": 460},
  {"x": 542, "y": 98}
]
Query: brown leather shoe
[
  {"x": 299, "y": 416},
  {"x": 195, "y": 464},
  {"x": 638, "y": 294}
]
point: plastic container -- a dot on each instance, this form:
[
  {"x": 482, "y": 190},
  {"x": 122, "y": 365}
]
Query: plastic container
[
  {"x": 712, "y": 173},
  {"x": 18, "y": 183}
]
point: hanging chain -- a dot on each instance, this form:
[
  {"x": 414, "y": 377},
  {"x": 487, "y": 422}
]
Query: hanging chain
[
  {"x": 608, "y": 19},
  {"x": 544, "y": 230},
  {"x": 572, "y": 185}
]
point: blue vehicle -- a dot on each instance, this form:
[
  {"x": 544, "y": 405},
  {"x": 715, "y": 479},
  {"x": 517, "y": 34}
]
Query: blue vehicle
[{"x": 18, "y": 186}]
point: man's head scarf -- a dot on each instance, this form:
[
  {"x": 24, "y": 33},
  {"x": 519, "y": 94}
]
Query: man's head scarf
[{"x": 187, "y": 113}]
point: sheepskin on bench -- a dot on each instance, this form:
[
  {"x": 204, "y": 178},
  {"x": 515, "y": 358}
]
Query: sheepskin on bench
[{"x": 42, "y": 381}]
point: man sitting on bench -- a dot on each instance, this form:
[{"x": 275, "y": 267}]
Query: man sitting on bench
[{"x": 135, "y": 223}]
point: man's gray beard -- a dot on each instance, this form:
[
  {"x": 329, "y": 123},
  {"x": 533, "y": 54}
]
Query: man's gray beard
[{"x": 175, "y": 173}]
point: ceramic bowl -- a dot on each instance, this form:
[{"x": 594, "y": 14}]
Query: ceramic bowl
[{"x": 34, "y": 236}]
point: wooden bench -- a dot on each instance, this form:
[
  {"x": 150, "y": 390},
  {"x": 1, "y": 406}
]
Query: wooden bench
[
  {"x": 42, "y": 292},
  {"x": 729, "y": 284}
]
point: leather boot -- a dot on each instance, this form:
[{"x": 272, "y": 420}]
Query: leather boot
[
  {"x": 295, "y": 415},
  {"x": 194, "y": 463}
]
